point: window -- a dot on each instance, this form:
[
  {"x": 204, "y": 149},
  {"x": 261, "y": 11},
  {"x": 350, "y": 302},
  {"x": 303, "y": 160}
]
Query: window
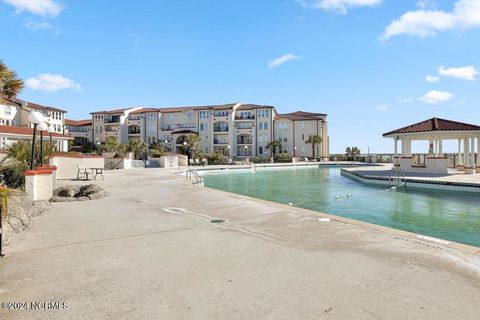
[
  {"x": 204, "y": 114},
  {"x": 303, "y": 137},
  {"x": 260, "y": 125},
  {"x": 260, "y": 150},
  {"x": 8, "y": 111},
  {"x": 263, "y": 113},
  {"x": 265, "y": 125},
  {"x": 189, "y": 116}
]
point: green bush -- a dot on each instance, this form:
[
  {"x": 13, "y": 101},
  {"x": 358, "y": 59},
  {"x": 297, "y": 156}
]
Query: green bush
[
  {"x": 216, "y": 158},
  {"x": 259, "y": 159},
  {"x": 284, "y": 158}
]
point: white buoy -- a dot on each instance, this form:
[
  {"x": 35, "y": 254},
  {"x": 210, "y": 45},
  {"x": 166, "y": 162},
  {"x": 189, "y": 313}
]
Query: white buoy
[{"x": 290, "y": 204}]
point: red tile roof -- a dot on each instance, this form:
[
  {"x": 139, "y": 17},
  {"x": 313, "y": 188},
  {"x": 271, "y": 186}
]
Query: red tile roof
[
  {"x": 300, "y": 115},
  {"x": 434, "y": 124},
  {"x": 25, "y": 131},
  {"x": 78, "y": 123},
  {"x": 181, "y": 109},
  {"x": 38, "y": 106}
]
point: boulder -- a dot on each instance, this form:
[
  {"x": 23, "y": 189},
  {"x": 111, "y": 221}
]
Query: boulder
[{"x": 78, "y": 193}]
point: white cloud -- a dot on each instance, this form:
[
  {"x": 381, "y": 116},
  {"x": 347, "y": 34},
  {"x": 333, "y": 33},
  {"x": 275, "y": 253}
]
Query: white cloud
[
  {"x": 382, "y": 107},
  {"x": 38, "y": 25},
  {"x": 51, "y": 83},
  {"x": 426, "y": 4},
  {"x": 466, "y": 73},
  {"x": 424, "y": 23},
  {"x": 430, "y": 78},
  {"x": 281, "y": 60},
  {"x": 339, "y": 6},
  {"x": 434, "y": 96},
  {"x": 405, "y": 100},
  {"x": 38, "y": 7}
]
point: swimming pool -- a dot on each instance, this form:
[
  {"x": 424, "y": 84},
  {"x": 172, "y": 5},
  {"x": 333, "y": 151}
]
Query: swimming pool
[{"x": 448, "y": 215}]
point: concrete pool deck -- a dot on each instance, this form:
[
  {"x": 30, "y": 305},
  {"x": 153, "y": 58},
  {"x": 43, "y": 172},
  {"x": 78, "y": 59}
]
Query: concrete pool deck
[{"x": 149, "y": 251}]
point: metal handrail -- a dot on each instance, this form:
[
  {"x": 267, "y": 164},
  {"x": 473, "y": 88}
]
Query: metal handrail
[{"x": 192, "y": 172}]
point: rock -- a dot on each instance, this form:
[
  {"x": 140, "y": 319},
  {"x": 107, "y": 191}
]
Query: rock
[
  {"x": 67, "y": 191},
  {"x": 81, "y": 193},
  {"x": 88, "y": 190}
]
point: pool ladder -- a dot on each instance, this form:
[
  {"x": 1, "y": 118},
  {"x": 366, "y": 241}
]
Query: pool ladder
[
  {"x": 397, "y": 177},
  {"x": 193, "y": 176}
]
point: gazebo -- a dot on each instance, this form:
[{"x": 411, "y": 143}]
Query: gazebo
[{"x": 435, "y": 131}]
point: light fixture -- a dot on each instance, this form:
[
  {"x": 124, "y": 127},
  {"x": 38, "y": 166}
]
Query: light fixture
[{"x": 34, "y": 117}]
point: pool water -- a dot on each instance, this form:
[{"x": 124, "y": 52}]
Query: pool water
[{"x": 448, "y": 215}]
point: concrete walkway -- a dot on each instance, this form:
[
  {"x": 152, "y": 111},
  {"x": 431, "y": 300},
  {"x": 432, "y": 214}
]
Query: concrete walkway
[{"x": 149, "y": 251}]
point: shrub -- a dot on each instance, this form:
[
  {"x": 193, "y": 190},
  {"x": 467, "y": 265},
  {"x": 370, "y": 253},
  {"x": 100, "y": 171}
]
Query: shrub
[{"x": 259, "y": 159}]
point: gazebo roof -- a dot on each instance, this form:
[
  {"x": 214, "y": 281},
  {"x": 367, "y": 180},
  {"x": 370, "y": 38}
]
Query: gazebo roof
[{"x": 434, "y": 124}]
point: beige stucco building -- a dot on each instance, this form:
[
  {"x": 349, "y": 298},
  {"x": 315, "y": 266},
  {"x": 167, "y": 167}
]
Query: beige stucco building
[
  {"x": 15, "y": 126},
  {"x": 236, "y": 130},
  {"x": 293, "y": 130}
]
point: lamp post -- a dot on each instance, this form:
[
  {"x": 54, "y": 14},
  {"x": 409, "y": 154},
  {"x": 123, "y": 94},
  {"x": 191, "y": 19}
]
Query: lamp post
[
  {"x": 166, "y": 144},
  {"x": 246, "y": 153},
  {"x": 34, "y": 117},
  {"x": 42, "y": 127},
  {"x": 185, "y": 145},
  {"x": 50, "y": 130}
]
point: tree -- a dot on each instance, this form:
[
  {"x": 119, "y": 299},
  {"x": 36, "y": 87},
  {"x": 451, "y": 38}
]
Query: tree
[
  {"x": 137, "y": 147},
  {"x": 111, "y": 144},
  {"x": 10, "y": 84},
  {"x": 352, "y": 152},
  {"x": 273, "y": 146},
  {"x": 192, "y": 144},
  {"x": 314, "y": 141},
  {"x": 158, "y": 147}
]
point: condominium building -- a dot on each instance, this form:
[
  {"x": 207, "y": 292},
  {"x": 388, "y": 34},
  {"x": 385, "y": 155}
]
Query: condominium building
[
  {"x": 80, "y": 131},
  {"x": 15, "y": 126},
  {"x": 236, "y": 130},
  {"x": 293, "y": 130}
]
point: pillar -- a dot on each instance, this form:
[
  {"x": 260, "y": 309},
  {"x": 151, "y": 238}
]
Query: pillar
[
  {"x": 440, "y": 148},
  {"x": 459, "y": 156},
  {"x": 478, "y": 151},
  {"x": 472, "y": 152},
  {"x": 465, "y": 152},
  {"x": 395, "y": 147}
]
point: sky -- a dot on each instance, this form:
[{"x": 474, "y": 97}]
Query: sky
[{"x": 371, "y": 65}]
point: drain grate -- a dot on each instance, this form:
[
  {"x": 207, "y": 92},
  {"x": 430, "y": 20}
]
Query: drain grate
[{"x": 217, "y": 221}]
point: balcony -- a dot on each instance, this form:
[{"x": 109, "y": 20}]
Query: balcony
[
  {"x": 220, "y": 127},
  {"x": 245, "y": 117},
  {"x": 114, "y": 119},
  {"x": 244, "y": 139},
  {"x": 220, "y": 141}
]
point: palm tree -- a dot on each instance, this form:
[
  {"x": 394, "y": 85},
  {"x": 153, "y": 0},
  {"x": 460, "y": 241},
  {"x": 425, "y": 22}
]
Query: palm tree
[
  {"x": 273, "y": 146},
  {"x": 352, "y": 152},
  {"x": 111, "y": 144},
  {"x": 10, "y": 84},
  {"x": 314, "y": 141},
  {"x": 136, "y": 146},
  {"x": 192, "y": 144}
]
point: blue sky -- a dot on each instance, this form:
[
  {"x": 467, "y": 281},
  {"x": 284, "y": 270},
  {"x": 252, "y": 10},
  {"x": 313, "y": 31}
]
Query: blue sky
[{"x": 364, "y": 62}]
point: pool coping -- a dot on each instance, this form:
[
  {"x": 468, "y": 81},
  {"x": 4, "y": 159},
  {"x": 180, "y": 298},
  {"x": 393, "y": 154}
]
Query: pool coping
[
  {"x": 388, "y": 230},
  {"x": 414, "y": 183}
]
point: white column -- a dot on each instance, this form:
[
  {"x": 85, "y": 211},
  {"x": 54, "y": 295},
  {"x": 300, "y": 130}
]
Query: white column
[
  {"x": 472, "y": 151},
  {"x": 440, "y": 148},
  {"x": 459, "y": 156},
  {"x": 478, "y": 150},
  {"x": 403, "y": 147},
  {"x": 395, "y": 148},
  {"x": 408, "y": 147},
  {"x": 431, "y": 148},
  {"x": 465, "y": 152}
]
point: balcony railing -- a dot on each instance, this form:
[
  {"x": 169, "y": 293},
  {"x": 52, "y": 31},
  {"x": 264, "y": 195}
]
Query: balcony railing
[
  {"x": 220, "y": 129},
  {"x": 241, "y": 141},
  {"x": 215, "y": 141},
  {"x": 245, "y": 117},
  {"x": 112, "y": 120}
]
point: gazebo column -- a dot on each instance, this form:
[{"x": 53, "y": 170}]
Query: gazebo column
[
  {"x": 459, "y": 156},
  {"x": 431, "y": 148},
  {"x": 472, "y": 152},
  {"x": 395, "y": 147},
  {"x": 440, "y": 148},
  {"x": 465, "y": 152},
  {"x": 478, "y": 154}
]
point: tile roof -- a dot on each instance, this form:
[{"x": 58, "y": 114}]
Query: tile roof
[
  {"x": 300, "y": 115},
  {"x": 37, "y": 106},
  {"x": 185, "y": 108},
  {"x": 24, "y": 131},
  {"x": 79, "y": 123},
  {"x": 434, "y": 124}
]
